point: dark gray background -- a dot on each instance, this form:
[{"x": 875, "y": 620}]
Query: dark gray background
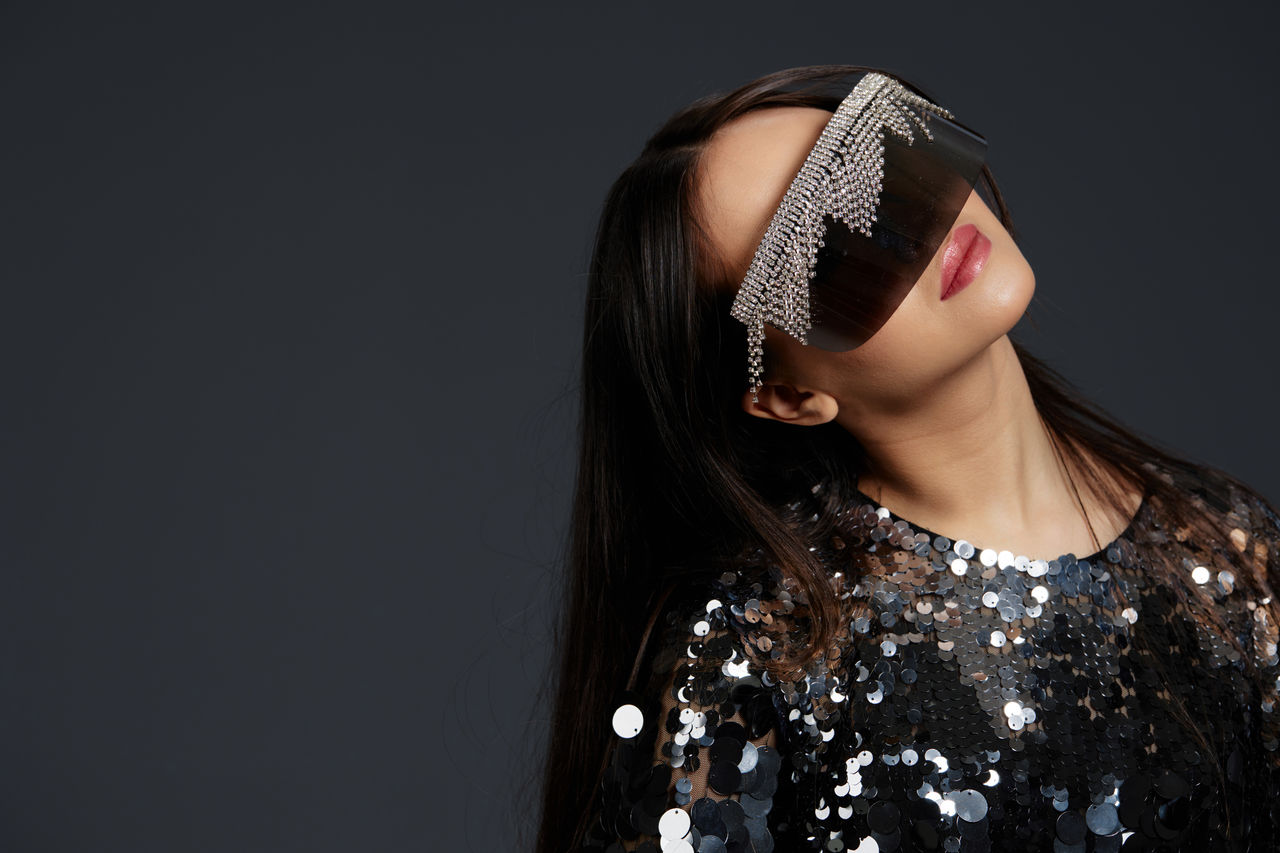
[{"x": 292, "y": 297}]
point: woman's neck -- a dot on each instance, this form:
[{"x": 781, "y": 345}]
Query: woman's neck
[{"x": 973, "y": 457}]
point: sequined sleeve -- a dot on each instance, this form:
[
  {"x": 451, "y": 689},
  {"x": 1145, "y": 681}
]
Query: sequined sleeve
[
  {"x": 694, "y": 761},
  {"x": 1265, "y": 547}
]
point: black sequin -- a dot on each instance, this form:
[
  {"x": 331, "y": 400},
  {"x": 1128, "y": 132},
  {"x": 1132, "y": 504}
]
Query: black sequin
[{"x": 976, "y": 700}]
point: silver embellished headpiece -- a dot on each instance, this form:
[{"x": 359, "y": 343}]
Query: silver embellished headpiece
[{"x": 842, "y": 176}]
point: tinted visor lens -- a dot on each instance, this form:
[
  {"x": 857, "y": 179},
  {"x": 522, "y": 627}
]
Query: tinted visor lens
[{"x": 860, "y": 281}]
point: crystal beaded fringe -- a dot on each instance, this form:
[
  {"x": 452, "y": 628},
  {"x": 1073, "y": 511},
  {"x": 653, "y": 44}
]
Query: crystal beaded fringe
[{"x": 842, "y": 175}]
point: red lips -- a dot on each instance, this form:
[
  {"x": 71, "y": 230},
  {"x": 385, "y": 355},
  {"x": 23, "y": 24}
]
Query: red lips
[{"x": 963, "y": 258}]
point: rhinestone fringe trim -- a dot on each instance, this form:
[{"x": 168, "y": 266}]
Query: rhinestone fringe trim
[{"x": 842, "y": 175}]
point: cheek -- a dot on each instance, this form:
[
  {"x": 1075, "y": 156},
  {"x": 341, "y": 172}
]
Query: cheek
[
  {"x": 927, "y": 338},
  {"x": 910, "y": 345}
]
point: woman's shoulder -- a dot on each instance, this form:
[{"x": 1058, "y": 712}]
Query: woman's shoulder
[
  {"x": 1244, "y": 524},
  {"x": 1215, "y": 563},
  {"x": 733, "y": 621}
]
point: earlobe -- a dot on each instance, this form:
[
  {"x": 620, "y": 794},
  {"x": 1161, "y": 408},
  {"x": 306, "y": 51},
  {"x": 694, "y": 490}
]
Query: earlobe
[{"x": 780, "y": 401}]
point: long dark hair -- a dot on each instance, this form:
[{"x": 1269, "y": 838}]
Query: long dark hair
[{"x": 673, "y": 476}]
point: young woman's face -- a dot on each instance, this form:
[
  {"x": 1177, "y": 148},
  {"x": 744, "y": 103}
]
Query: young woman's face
[{"x": 744, "y": 173}]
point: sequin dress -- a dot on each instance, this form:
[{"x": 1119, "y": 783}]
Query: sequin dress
[{"x": 975, "y": 700}]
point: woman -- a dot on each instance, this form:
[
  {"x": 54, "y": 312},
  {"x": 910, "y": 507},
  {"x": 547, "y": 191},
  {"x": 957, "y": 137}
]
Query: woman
[{"x": 841, "y": 607}]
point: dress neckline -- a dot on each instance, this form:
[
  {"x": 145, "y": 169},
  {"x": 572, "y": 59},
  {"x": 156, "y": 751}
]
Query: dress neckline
[{"x": 1095, "y": 556}]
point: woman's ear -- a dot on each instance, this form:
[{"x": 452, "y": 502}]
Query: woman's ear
[{"x": 782, "y": 401}]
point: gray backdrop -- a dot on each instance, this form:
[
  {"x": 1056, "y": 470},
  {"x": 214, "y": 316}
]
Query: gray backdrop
[{"x": 292, "y": 296}]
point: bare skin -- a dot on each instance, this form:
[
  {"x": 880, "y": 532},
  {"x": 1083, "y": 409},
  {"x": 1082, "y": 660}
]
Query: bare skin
[{"x": 937, "y": 396}]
